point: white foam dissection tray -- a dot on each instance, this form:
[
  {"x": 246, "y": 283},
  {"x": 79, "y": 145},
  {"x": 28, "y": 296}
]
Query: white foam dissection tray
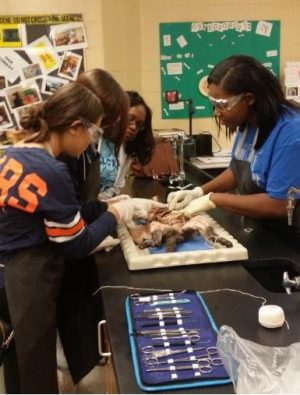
[{"x": 139, "y": 259}]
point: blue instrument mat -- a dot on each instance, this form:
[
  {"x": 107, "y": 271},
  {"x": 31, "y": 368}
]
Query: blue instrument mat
[{"x": 191, "y": 313}]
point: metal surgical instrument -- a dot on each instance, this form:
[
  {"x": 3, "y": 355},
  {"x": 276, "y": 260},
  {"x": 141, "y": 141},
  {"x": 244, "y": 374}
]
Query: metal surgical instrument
[
  {"x": 150, "y": 352},
  {"x": 145, "y": 315},
  {"x": 193, "y": 336},
  {"x": 167, "y": 332},
  {"x": 203, "y": 366},
  {"x": 141, "y": 299},
  {"x": 215, "y": 361}
]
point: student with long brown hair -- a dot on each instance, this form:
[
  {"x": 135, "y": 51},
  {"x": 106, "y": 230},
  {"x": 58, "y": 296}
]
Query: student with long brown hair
[{"x": 42, "y": 224}]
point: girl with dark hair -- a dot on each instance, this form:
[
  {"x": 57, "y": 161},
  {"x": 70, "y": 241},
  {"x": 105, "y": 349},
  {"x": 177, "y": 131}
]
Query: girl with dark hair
[
  {"x": 247, "y": 98},
  {"x": 138, "y": 144}
]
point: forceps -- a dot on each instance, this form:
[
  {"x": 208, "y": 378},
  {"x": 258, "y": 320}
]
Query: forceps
[
  {"x": 150, "y": 352},
  {"x": 180, "y": 188},
  {"x": 167, "y": 332},
  {"x": 215, "y": 361},
  {"x": 202, "y": 365},
  {"x": 193, "y": 336},
  {"x": 141, "y": 299},
  {"x": 211, "y": 355}
]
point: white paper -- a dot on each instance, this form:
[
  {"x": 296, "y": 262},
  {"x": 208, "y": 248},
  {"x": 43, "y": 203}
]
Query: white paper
[
  {"x": 167, "y": 40},
  {"x": 11, "y": 64},
  {"x": 174, "y": 68},
  {"x": 264, "y": 28},
  {"x": 176, "y": 106},
  {"x": 181, "y": 41},
  {"x": 271, "y": 53},
  {"x": 41, "y": 51},
  {"x": 291, "y": 76}
]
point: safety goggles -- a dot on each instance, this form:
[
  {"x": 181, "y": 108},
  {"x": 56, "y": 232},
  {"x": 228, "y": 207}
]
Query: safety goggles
[
  {"x": 95, "y": 131},
  {"x": 225, "y": 104},
  {"x": 140, "y": 126},
  {"x": 111, "y": 125}
]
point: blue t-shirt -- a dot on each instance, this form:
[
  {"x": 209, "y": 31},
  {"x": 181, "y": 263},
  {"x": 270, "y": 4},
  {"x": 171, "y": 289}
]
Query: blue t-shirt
[
  {"x": 108, "y": 164},
  {"x": 275, "y": 167}
]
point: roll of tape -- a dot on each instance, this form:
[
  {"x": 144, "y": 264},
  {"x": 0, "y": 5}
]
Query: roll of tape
[{"x": 271, "y": 316}]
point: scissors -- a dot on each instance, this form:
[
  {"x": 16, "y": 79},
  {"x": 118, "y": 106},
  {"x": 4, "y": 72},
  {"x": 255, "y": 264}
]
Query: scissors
[
  {"x": 202, "y": 365},
  {"x": 213, "y": 355}
]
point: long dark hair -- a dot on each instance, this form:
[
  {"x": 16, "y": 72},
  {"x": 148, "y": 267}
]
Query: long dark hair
[
  {"x": 114, "y": 100},
  {"x": 244, "y": 74},
  {"x": 142, "y": 146}
]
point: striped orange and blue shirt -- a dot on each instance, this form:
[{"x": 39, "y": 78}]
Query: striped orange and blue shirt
[{"x": 38, "y": 202}]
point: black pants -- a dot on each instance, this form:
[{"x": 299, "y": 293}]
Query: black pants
[
  {"x": 32, "y": 282},
  {"x": 11, "y": 372},
  {"x": 46, "y": 293},
  {"x": 78, "y": 314}
]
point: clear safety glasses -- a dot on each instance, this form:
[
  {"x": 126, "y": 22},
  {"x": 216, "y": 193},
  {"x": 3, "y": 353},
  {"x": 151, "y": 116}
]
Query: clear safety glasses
[
  {"x": 95, "y": 131},
  {"x": 225, "y": 104},
  {"x": 139, "y": 125}
]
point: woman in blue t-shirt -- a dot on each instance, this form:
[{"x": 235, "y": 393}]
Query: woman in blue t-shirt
[{"x": 247, "y": 98}]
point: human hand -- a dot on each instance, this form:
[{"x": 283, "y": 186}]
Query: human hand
[
  {"x": 180, "y": 199},
  {"x": 144, "y": 206},
  {"x": 199, "y": 205},
  {"x": 117, "y": 198},
  {"x": 107, "y": 244},
  {"x": 134, "y": 208}
]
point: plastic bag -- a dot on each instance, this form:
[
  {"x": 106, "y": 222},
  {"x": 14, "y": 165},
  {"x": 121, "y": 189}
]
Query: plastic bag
[{"x": 254, "y": 368}]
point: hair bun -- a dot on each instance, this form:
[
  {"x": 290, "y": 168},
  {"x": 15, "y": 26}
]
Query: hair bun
[{"x": 31, "y": 117}]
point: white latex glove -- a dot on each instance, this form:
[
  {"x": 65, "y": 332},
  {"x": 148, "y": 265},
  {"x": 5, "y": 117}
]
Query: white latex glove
[
  {"x": 199, "y": 205},
  {"x": 180, "y": 199},
  {"x": 107, "y": 244},
  {"x": 126, "y": 209},
  {"x": 144, "y": 206},
  {"x": 135, "y": 208}
]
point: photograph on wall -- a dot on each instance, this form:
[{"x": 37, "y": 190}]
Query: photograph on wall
[
  {"x": 41, "y": 51},
  {"x": 3, "y": 82},
  {"x": 68, "y": 36},
  {"x": 23, "y": 111},
  {"x": 51, "y": 84},
  {"x": 70, "y": 66},
  {"x": 29, "y": 73},
  {"x": 32, "y": 71},
  {"x": 22, "y": 94},
  {"x": 5, "y": 119},
  {"x": 10, "y": 36}
]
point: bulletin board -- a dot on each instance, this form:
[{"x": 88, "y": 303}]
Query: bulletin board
[
  {"x": 189, "y": 50},
  {"x": 38, "y": 54}
]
